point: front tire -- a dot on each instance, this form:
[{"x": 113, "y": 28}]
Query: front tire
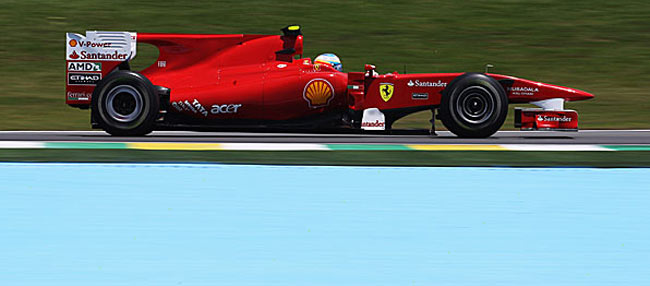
[
  {"x": 125, "y": 104},
  {"x": 474, "y": 106}
]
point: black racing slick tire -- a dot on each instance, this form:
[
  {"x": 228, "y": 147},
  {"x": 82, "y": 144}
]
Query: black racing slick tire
[
  {"x": 474, "y": 105},
  {"x": 125, "y": 103}
]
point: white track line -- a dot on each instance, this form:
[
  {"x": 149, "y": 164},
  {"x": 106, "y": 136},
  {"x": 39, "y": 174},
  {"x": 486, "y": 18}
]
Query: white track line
[{"x": 21, "y": 144}]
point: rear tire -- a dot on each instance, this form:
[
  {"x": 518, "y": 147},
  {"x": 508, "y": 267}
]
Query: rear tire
[
  {"x": 474, "y": 106},
  {"x": 125, "y": 103}
]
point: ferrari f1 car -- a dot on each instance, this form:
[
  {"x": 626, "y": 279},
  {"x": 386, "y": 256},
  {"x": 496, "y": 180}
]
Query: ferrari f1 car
[{"x": 262, "y": 81}]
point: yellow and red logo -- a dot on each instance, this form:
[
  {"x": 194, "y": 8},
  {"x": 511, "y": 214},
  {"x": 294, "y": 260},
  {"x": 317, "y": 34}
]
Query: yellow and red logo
[
  {"x": 318, "y": 93},
  {"x": 73, "y": 43}
]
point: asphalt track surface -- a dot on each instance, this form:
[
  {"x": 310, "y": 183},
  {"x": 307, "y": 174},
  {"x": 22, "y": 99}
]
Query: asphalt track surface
[{"x": 443, "y": 137}]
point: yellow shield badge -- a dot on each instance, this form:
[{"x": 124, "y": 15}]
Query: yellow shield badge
[
  {"x": 386, "y": 91},
  {"x": 318, "y": 93}
]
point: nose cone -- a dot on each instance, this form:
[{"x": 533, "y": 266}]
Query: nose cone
[
  {"x": 569, "y": 94},
  {"x": 581, "y": 95}
]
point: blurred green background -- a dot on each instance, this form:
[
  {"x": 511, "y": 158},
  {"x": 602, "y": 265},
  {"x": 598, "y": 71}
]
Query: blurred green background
[{"x": 599, "y": 46}]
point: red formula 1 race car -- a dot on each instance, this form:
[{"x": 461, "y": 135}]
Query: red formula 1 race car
[{"x": 262, "y": 81}]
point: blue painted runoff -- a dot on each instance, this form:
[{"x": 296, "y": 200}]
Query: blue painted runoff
[{"x": 210, "y": 224}]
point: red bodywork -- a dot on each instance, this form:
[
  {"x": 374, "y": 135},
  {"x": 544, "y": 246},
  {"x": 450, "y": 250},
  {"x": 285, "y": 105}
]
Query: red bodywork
[
  {"x": 264, "y": 77},
  {"x": 221, "y": 70}
]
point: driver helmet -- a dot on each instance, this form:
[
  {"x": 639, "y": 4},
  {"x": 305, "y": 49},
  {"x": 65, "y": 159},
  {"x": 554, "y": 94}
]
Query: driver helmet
[{"x": 329, "y": 59}]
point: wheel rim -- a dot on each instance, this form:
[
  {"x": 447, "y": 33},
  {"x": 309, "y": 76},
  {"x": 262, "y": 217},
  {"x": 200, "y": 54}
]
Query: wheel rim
[
  {"x": 475, "y": 105},
  {"x": 124, "y": 103}
]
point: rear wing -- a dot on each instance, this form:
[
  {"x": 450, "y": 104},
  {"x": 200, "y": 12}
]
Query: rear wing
[{"x": 90, "y": 57}]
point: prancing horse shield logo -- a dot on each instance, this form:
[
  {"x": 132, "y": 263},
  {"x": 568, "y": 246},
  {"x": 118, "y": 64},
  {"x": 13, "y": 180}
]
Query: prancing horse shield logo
[{"x": 386, "y": 91}]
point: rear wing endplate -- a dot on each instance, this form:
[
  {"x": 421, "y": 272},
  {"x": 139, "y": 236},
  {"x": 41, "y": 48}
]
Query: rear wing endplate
[{"x": 90, "y": 57}]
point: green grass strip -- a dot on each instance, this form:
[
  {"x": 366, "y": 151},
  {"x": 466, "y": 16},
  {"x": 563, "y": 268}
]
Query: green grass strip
[
  {"x": 340, "y": 158},
  {"x": 85, "y": 145}
]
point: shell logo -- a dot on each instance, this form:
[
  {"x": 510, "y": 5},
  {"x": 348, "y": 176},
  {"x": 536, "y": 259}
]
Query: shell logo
[
  {"x": 318, "y": 93},
  {"x": 73, "y": 43}
]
